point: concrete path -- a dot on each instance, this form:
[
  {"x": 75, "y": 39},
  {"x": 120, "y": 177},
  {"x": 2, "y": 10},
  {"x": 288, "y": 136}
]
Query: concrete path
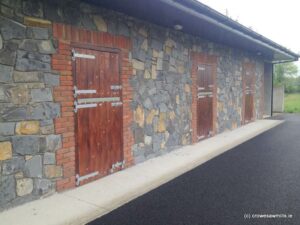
[{"x": 83, "y": 204}]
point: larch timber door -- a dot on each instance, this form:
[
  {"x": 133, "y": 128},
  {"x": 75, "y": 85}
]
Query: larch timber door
[
  {"x": 205, "y": 86},
  {"x": 248, "y": 89},
  {"x": 98, "y": 107}
]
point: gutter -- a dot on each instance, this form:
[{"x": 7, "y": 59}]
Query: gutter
[
  {"x": 272, "y": 89},
  {"x": 223, "y": 26}
]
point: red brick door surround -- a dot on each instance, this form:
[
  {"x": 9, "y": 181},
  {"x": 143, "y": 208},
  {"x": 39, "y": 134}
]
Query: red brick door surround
[{"x": 67, "y": 37}]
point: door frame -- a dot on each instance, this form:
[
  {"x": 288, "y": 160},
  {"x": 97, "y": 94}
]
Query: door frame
[
  {"x": 244, "y": 92},
  {"x": 212, "y": 60}
]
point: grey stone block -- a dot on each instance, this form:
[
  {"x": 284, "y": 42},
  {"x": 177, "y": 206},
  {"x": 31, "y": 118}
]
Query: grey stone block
[
  {"x": 4, "y": 93},
  {"x": 7, "y": 129},
  {"x": 6, "y": 74},
  {"x": 7, "y": 187},
  {"x": 123, "y": 29},
  {"x": 12, "y": 113},
  {"x": 157, "y": 45},
  {"x": 46, "y": 47},
  {"x": 139, "y": 135},
  {"x": 49, "y": 158},
  {"x": 87, "y": 22},
  {"x": 26, "y": 145},
  {"x": 33, "y": 167},
  {"x": 157, "y": 140},
  {"x": 32, "y": 61},
  {"x": 42, "y": 186},
  {"x": 11, "y": 29},
  {"x": 139, "y": 54},
  {"x": 51, "y": 79},
  {"x": 163, "y": 107},
  {"x": 1, "y": 42},
  {"x": 29, "y": 45},
  {"x": 148, "y": 104},
  {"x": 52, "y": 12},
  {"x": 16, "y": 164},
  {"x": 71, "y": 15},
  {"x": 47, "y": 127},
  {"x": 41, "y": 95},
  {"x": 8, "y": 53},
  {"x": 51, "y": 143},
  {"x": 33, "y": 8},
  {"x": 43, "y": 111},
  {"x": 38, "y": 33}
]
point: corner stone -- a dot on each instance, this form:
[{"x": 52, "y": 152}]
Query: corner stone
[
  {"x": 49, "y": 158},
  {"x": 53, "y": 171},
  {"x": 46, "y": 47},
  {"x": 41, "y": 186},
  {"x": 51, "y": 143}
]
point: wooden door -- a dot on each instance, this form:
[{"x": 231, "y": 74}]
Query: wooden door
[
  {"x": 248, "y": 89},
  {"x": 205, "y": 86},
  {"x": 99, "y": 113}
]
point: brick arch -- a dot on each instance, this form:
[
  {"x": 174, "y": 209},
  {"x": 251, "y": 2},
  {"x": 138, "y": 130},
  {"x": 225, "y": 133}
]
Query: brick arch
[{"x": 67, "y": 35}]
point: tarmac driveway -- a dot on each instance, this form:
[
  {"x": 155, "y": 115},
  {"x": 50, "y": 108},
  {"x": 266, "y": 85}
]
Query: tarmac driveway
[{"x": 259, "y": 178}]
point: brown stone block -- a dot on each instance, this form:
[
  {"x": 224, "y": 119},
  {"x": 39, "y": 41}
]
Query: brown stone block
[
  {"x": 5, "y": 150},
  {"x": 28, "y": 127}
]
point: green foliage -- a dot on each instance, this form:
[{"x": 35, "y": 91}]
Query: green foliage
[
  {"x": 286, "y": 74},
  {"x": 292, "y": 103}
]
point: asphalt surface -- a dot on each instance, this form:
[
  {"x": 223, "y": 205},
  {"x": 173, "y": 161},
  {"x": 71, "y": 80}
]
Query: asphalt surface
[{"x": 260, "y": 176}]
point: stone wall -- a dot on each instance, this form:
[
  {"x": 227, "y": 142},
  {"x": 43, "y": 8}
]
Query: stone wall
[
  {"x": 161, "y": 83},
  {"x": 27, "y": 139}
]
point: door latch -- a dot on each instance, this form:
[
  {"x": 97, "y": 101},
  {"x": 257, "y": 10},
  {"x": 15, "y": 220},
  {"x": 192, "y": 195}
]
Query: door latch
[
  {"x": 115, "y": 87},
  {"x": 116, "y": 104}
]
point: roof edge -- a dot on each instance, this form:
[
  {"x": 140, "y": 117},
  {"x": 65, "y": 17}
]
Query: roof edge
[{"x": 219, "y": 17}]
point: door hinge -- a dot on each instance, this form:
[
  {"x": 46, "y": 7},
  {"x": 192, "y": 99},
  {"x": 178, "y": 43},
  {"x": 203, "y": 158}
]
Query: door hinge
[
  {"x": 85, "y": 177},
  {"x": 81, "y": 55},
  {"x": 201, "y": 137},
  {"x": 80, "y": 92},
  {"x": 83, "y": 106},
  {"x": 201, "y": 68},
  {"x": 117, "y": 165}
]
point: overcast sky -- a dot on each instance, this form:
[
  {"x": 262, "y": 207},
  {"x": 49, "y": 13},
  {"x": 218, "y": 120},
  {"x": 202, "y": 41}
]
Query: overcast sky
[{"x": 276, "y": 20}]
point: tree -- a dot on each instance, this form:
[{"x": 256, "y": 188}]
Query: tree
[{"x": 285, "y": 73}]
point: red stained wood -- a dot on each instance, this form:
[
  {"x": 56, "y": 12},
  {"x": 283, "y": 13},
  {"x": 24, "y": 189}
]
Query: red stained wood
[
  {"x": 248, "y": 90},
  {"x": 205, "y": 86},
  {"x": 99, "y": 129}
]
